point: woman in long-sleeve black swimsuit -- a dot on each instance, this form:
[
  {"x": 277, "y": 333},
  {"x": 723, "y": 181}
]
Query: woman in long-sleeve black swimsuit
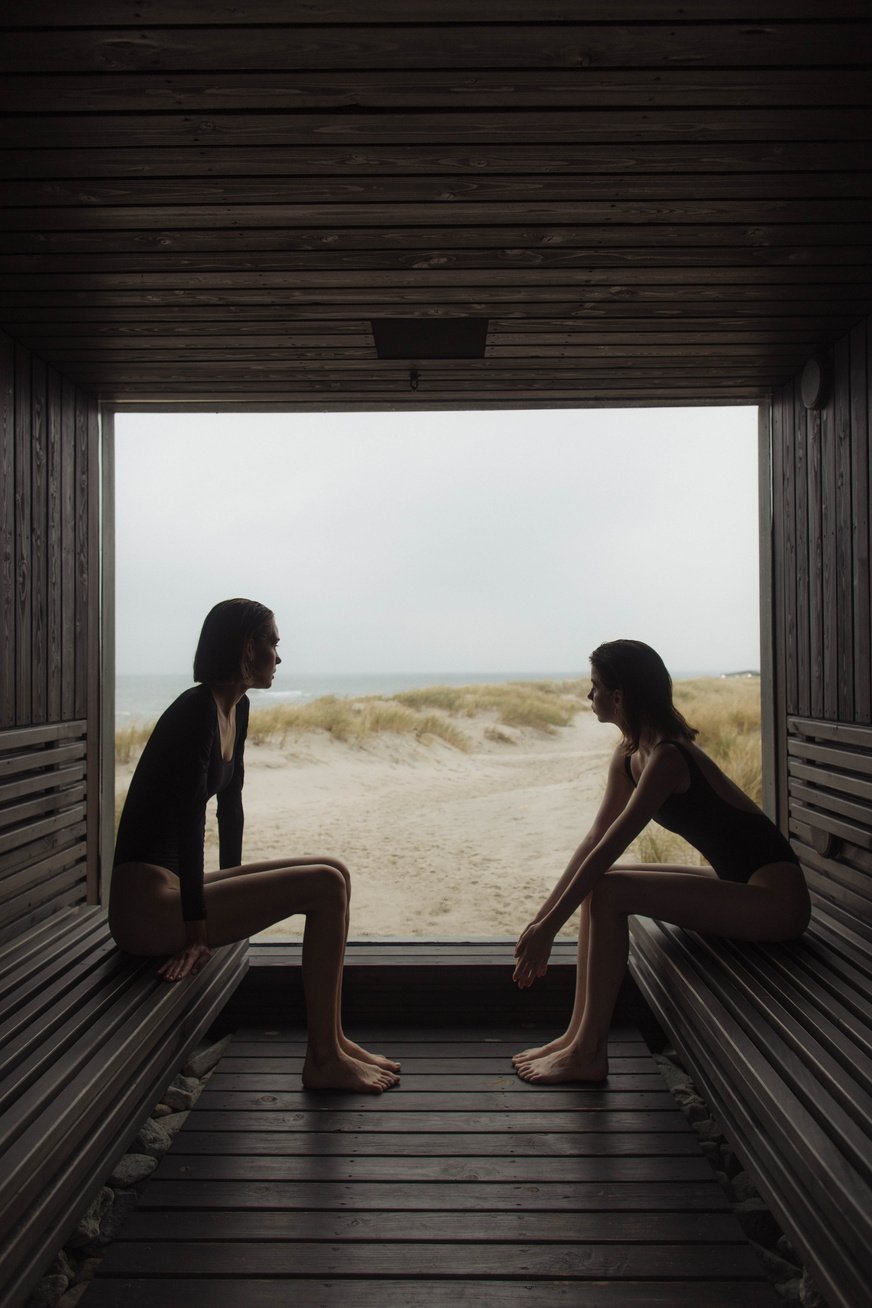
[
  {"x": 161, "y": 903},
  {"x": 753, "y": 888},
  {"x": 181, "y": 768}
]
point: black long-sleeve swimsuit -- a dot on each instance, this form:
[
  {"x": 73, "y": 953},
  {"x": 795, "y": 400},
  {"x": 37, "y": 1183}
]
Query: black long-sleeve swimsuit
[{"x": 164, "y": 815}]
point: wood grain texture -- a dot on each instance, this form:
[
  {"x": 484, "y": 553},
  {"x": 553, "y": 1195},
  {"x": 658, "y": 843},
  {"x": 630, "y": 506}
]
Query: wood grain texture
[{"x": 482, "y": 1190}]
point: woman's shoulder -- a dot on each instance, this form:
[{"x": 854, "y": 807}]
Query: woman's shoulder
[{"x": 194, "y": 707}]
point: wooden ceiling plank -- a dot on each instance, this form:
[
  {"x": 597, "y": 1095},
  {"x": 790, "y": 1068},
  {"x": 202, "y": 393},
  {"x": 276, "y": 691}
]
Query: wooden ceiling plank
[
  {"x": 738, "y": 161},
  {"x": 444, "y": 215},
  {"x": 479, "y": 45},
  {"x": 570, "y": 88},
  {"x": 730, "y": 251},
  {"x": 137, "y": 13},
  {"x": 626, "y": 127},
  {"x": 797, "y": 196}
]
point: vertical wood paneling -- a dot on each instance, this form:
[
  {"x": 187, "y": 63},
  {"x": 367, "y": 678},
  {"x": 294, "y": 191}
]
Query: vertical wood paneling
[
  {"x": 54, "y": 609},
  {"x": 23, "y": 702},
  {"x": 828, "y": 524},
  {"x": 830, "y": 603},
  {"x": 38, "y": 540},
  {"x": 800, "y": 481},
  {"x": 81, "y": 542},
  {"x": 49, "y": 554},
  {"x": 788, "y": 580},
  {"x": 844, "y": 533},
  {"x": 93, "y": 669},
  {"x": 7, "y": 533},
  {"x": 861, "y": 431},
  {"x": 68, "y": 552},
  {"x": 815, "y": 568}
]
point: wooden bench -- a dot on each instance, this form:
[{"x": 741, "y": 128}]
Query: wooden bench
[
  {"x": 779, "y": 1037},
  {"x": 89, "y": 1037}
]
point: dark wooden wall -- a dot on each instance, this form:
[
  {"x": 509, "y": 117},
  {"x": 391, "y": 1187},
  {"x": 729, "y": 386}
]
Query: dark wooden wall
[
  {"x": 823, "y": 623},
  {"x": 49, "y": 613}
]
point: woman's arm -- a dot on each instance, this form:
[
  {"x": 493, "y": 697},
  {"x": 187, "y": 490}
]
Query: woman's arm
[
  {"x": 618, "y": 791},
  {"x": 230, "y": 814},
  {"x": 664, "y": 771}
]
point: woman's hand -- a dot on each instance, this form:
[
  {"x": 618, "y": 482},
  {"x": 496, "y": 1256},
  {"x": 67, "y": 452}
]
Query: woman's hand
[
  {"x": 532, "y": 953},
  {"x": 193, "y": 957}
]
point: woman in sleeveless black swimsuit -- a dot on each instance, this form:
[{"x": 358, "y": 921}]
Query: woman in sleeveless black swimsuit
[
  {"x": 160, "y": 901},
  {"x": 753, "y": 889}
]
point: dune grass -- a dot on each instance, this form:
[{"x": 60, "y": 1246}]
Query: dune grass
[
  {"x": 352, "y": 721},
  {"x": 541, "y": 705}
]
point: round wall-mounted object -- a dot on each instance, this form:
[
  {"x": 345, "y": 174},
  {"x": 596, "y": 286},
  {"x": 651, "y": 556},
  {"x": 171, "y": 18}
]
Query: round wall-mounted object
[{"x": 813, "y": 384}]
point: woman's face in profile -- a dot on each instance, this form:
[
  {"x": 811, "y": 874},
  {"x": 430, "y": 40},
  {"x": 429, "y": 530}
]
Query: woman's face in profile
[
  {"x": 602, "y": 701},
  {"x": 263, "y": 656}
]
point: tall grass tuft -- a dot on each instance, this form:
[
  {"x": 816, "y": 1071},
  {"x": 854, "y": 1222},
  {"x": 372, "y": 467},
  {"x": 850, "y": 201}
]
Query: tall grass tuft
[
  {"x": 351, "y": 721},
  {"x": 541, "y": 705},
  {"x": 130, "y": 741}
]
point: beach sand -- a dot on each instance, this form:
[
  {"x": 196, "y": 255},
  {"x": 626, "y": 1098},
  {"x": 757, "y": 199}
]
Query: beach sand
[{"x": 441, "y": 844}]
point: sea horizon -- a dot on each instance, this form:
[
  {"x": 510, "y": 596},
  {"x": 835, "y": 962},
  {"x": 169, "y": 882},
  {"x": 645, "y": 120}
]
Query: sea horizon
[{"x": 144, "y": 696}]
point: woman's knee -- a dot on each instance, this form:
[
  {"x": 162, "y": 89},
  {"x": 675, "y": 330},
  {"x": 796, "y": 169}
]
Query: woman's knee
[
  {"x": 332, "y": 882},
  {"x": 606, "y": 895},
  {"x": 346, "y": 875}
]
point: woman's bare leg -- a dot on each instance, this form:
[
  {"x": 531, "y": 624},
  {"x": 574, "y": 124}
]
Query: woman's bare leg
[
  {"x": 582, "y": 964},
  {"x": 241, "y": 902},
  {"x": 350, "y": 1046},
  {"x": 772, "y": 906},
  {"x": 561, "y": 1041}
]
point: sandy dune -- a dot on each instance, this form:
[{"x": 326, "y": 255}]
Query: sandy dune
[{"x": 441, "y": 844}]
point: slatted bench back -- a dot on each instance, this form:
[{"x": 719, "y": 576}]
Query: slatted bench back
[
  {"x": 829, "y": 769},
  {"x": 43, "y": 860}
]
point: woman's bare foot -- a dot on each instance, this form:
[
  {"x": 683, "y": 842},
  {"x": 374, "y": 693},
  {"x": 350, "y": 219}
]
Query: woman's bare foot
[
  {"x": 340, "y": 1072},
  {"x": 553, "y": 1046},
  {"x": 364, "y": 1056},
  {"x": 564, "y": 1065}
]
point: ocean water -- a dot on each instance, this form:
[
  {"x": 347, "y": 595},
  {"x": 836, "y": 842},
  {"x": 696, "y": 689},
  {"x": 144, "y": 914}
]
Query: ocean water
[{"x": 144, "y": 697}]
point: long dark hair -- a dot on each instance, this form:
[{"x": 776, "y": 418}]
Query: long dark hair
[
  {"x": 220, "y": 655},
  {"x": 639, "y": 673}
]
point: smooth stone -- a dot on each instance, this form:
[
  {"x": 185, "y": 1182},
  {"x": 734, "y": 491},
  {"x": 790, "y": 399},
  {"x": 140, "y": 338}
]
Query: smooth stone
[
  {"x": 761, "y": 1227},
  {"x": 89, "y": 1229},
  {"x": 48, "y": 1293},
  {"x": 152, "y": 1138},
  {"x": 131, "y": 1169},
  {"x": 743, "y": 1187},
  {"x": 777, "y": 1267},
  {"x": 174, "y": 1123},
  {"x": 809, "y": 1295},
  {"x": 183, "y": 1093},
  {"x": 122, "y": 1206},
  {"x": 205, "y": 1058}
]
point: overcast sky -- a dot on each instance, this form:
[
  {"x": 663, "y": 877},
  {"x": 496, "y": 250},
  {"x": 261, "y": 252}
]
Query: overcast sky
[{"x": 452, "y": 542}]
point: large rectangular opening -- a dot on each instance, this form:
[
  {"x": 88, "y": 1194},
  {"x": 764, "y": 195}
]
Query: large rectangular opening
[{"x": 484, "y": 553}]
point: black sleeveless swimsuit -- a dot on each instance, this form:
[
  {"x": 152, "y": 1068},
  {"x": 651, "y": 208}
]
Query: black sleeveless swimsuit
[{"x": 735, "y": 841}]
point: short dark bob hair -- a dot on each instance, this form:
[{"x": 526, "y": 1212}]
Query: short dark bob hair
[
  {"x": 220, "y": 656},
  {"x": 639, "y": 673}
]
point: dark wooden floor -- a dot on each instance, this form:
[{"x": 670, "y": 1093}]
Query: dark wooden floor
[{"x": 462, "y": 1186}]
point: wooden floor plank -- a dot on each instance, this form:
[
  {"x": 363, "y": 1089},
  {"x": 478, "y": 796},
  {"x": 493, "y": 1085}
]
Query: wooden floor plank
[
  {"x": 421, "y": 1292},
  {"x": 385, "y": 1258},
  {"x": 471, "y": 1196},
  {"x": 413, "y": 1062},
  {"x": 547, "y": 1228},
  {"x": 461, "y": 1144},
  {"x": 550, "y": 1098},
  {"x": 464, "y": 1185},
  {"x": 399, "y": 1168},
  {"x": 573, "y": 1121},
  {"x": 504, "y": 1079}
]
